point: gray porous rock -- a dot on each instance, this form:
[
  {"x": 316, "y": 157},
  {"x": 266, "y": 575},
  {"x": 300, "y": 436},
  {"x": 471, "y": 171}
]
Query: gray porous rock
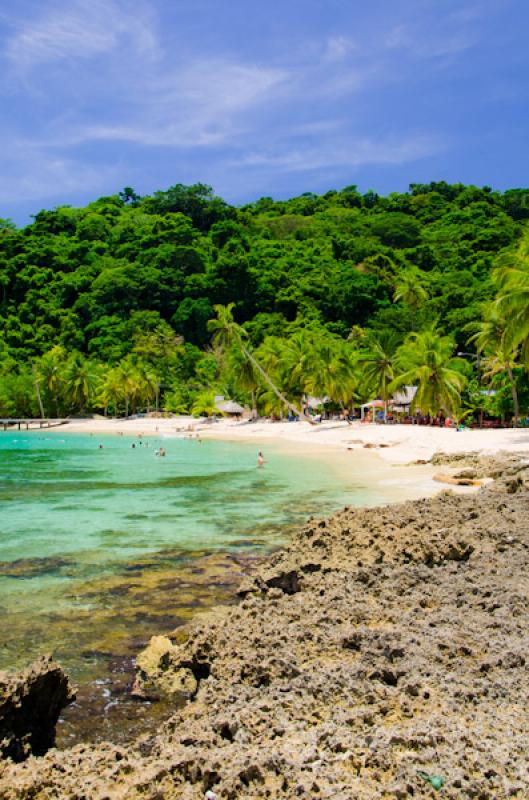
[
  {"x": 30, "y": 704},
  {"x": 381, "y": 645}
]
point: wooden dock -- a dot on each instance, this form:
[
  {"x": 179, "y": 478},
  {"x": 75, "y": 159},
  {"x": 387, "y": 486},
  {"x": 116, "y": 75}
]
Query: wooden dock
[{"x": 30, "y": 424}]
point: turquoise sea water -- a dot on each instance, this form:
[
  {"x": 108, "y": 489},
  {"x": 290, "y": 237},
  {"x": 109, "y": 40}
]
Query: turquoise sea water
[
  {"x": 102, "y": 547},
  {"x": 63, "y": 497}
]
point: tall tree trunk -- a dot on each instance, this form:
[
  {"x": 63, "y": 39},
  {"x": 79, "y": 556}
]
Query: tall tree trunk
[
  {"x": 514, "y": 393},
  {"x": 274, "y": 388},
  {"x": 37, "y": 389},
  {"x": 254, "y": 406}
]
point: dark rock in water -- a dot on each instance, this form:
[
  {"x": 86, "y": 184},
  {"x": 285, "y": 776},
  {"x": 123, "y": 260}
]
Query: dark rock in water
[
  {"x": 32, "y": 567},
  {"x": 30, "y": 704}
]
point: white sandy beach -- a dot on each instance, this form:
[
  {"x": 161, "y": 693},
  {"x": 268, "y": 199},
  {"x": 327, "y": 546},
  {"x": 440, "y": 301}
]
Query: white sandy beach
[{"x": 396, "y": 444}]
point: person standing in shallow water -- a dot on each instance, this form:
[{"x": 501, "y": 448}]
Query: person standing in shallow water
[{"x": 260, "y": 459}]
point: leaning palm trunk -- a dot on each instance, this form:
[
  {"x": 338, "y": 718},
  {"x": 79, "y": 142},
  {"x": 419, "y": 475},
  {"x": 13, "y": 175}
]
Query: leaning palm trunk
[{"x": 272, "y": 385}]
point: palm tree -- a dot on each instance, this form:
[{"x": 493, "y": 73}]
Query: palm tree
[
  {"x": 50, "y": 373},
  {"x": 226, "y": 332},
  {"x": 297, "y": 363},
  {"x": 161, "y": 346},
  {"x": 131, "y": 383},
  {"x": 410, "y": 290},
  {"x": 149, "y": 384},
  {"x": 245, "y": 375},
  {"x": 333, "y": 372},
  {"x": 493, "y": 338},
  {"x": 512, "y": 280},
  {"x": 110, "y": 392},
  {"x": 80, "y": 379},
  {"x": 176, "y": 398},
  {"x": 426, "y": 359},
  {"x": 204, "y": 403},
  {"x": 503, "y": 362},
  {"x": 378, "y": 362}
]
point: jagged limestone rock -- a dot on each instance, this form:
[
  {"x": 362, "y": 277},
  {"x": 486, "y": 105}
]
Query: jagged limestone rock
[
  {"x": 159, "y": 672},
  {"x": 30, "y": 704}
]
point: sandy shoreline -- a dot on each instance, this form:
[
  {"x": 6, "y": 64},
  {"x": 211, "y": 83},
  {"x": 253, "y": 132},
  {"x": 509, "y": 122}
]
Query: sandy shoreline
[{"x": 396, "y": 444}]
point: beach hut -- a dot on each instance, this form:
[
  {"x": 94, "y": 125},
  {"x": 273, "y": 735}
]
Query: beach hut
[
  {"x": 402, "y": 400},
  {"x": 230, "y": 408},
  {"x": 370, "y": 406}
]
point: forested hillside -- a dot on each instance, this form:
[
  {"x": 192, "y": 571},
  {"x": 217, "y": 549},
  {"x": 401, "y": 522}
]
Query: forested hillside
[{"x": 118, "y": 294}]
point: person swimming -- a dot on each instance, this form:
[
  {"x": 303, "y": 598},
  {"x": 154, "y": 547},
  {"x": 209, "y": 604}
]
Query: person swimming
[{"x": 260, "y": 459}]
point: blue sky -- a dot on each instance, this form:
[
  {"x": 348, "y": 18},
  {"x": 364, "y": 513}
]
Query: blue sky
[{"x": 258, "y": 98}]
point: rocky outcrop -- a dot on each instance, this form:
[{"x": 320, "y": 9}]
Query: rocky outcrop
[
  {"x": 30, "y": 704},
  {"x": 160, "y": 670},
  {"x": 463, "y": 478},
  {"x": 382, "y": 655},
  {"x": 483, "y": 466}
]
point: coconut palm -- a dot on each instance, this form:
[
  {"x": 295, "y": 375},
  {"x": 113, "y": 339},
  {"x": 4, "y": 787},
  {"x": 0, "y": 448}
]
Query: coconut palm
[
  {"x": 149, "y": 384},
  {"x": 244, "y": 374},
  {"x": 110, "y": 391},
  {"x": 80, "y": 379},
  {"x": 378, "y": 362},
  {"x": 426, "y": 360},
  {"x": 512, "y": 280},
  {"x": 410, "y": 290},
  {"x": 204, "y": 403},
  {"x": 297, "y": 364},
  {"x": 227, "y": 332},
  {"x": 50, "y": 373},
  {"x": 500, "y": 363},
  {"x": 176, "y": 398},
  {"x": 333, "y": 372},
  {"x": 492, "y": 338},
  {"x": 161, "y": 346},
  {"x": 131, "y": 383}
]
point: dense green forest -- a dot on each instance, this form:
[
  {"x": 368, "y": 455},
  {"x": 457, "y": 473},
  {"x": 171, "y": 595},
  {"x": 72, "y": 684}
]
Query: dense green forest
[{"x": 112, "y": 307}]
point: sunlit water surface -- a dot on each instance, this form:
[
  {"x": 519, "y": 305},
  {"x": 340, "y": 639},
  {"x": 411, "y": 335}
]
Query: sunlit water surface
[{"x": 101, "y": 547}]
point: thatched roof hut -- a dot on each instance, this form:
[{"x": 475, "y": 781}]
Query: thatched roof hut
[{"x": 230, "y": 407}]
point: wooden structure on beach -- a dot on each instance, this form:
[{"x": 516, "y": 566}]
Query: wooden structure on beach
[{"x": 30, "y": 424}]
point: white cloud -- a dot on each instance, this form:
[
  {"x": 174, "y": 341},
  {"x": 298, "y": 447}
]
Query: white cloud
[
  {"x": 421, "y": 42},
  {"x": 338, "y": 48},
  {"x": 78, "y": 30},
  {"x": 101, "y": 77},
  {"x": 34, "y": 176},
  {"x": 199, "y": 105},
  {"x": 353, "y": 153}
]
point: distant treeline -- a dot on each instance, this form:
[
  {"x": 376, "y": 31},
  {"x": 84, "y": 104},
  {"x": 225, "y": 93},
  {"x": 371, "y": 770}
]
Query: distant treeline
[{"x": 107, "y": 307}]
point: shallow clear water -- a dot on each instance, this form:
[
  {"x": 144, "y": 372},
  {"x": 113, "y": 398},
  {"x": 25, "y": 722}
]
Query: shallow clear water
[{"x": 102, "y": 547}]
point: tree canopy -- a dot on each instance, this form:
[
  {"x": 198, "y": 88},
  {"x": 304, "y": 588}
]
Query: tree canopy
[{"x": 111, "y": 302}]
